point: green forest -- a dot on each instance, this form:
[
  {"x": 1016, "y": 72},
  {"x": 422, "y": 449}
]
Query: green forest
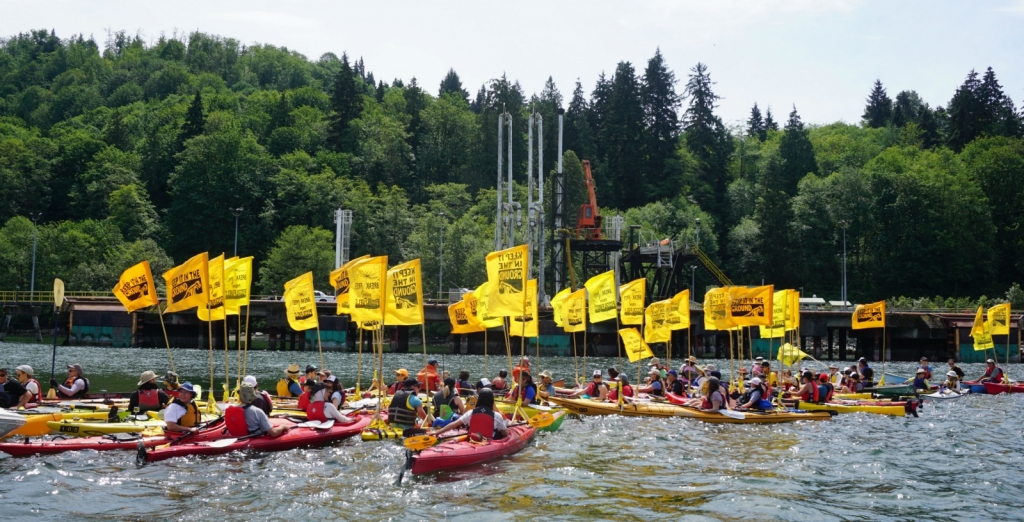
[{"x": 134, "y": 149}]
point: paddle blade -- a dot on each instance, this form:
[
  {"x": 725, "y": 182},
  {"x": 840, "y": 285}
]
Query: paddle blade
[
  {"x": 420, "y": 442},
  {"x": 733, "y": 414},
  {"x": 220, "y": 443},
  {"x": 58, "y": 292},
  {"x": 52, "y": 394},
  {"x": 542, "y": 420}
]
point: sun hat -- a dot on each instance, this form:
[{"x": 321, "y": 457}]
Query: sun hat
[
  {"x": 293, "y": 369},
  {"x": 26, "y": 369},
  {"x": 990, "y": 361},
  {"x": 691, "y": 359},
  {"x": 147, "y": 376},
  {"x": 187, "y": 387},
  {"x": 759, "y": 359},
  {"x": 250, "y": 380},
  {"x": 951, "y": 373},
  {"x": 654, "y": 371},
  {"x": 655, "y": 360},
  {"x": 246, "y": 393},
  {"x": 545, "y": 373},
  {"x": 833, "y": 366},
  {"x": 921, "y": 370}
]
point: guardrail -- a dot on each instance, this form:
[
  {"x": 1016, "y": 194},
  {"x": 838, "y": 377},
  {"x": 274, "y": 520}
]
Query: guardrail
[{"x": 43, "y": 297}]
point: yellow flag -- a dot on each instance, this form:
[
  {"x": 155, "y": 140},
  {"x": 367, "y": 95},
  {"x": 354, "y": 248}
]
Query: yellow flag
[
  {"x": 790, "y": 355},
  {"x": 135, "y": 289},
  {"x": 526, "y": 326},
  {"x": 506, "y": 281},
  {"x": 215, "y": 308},
  {"x": 999, "y": 319},
  {"x": 404, "y": 293},
  {"x": 869, "y": 316},
  {"x": 780, "y": 315},
  {"x": 574, "y": 312},
  {"x": 751, "y": 306},
  {"x": 982, "y": 333},
  {"x": 461, "y": 319},
  {"x": 601, "y": 296},
  {"x": 300, "y": 303},
  {"x": 366, "y": 291},
  {"x": 633, "y": 295},
  {"x": 188, "y": 284},
  {"x": 656, "y": 328},
  {"x": 636, "y": 348},
  {"x": 557, "y": 302},
  {"x": 476, "y": 301},
  {"x": 340, "y": 281},
  {"x": 793, "y": 311},
  {"x": 679, "y": 311},
  {"x": 237, "y": 284},
  {"x": 716, "y": 310}
]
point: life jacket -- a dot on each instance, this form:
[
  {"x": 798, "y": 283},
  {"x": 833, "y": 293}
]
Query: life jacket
[
  {"x": 498, "y": 384},
  {"x": 172, "y": 393},
  {"x": 813, "y": 396},
  {"x": 522, "y": 391},
  {"x": 429, "y": 379},
  {"x": 192, "y": 417},
  {"x": 38, "y": 397},
  {"x": 69, "y": 382},
  {"x": 482, "y": 423},
  {"x": 707, "y": 404},
  {"x": 149, "y": 400},
  {"x": 303, "y": 400},
  {"x": 315, "y": 411},
  {"x": 627, "y": 391},
  {"x": 592, "y": 389},
  {"x": 399, "y": 412},
  {"x": 825, "y": 391},
  {"x": 658, "y": 392},
  {"x": 996, "y": 373},
  {"x": 282, "y": 388},
  {"x": 441, "y": 402},
  {"x": 234, "y": 419}
]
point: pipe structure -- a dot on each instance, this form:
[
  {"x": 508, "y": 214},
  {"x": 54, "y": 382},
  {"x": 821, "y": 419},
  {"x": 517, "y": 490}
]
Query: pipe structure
[
  {"x": 497, "y": 217},
  {"x": 529, "y": 197},
  {"x": 542, "y": 297}
]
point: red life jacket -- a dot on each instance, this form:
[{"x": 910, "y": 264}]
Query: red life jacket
[
  {"x": 149, "y": 399},
  {"x": 38, "y": 397},
  {"x": 592, "y": 389},
  {"x": 315, "y": 411},
  {"x": 234, "y": 419},
  {"x": 304, "y": 400},
  {"x": 707, "y": 404},
  {"x": 482, "y": 423},
  {"x": 810, "y": 397},
  {"x": 627, "y": 391}
]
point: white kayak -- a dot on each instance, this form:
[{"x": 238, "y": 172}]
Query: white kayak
[
  {"x": 944, "y": 394},
  {"x": 10, "y": 421}
]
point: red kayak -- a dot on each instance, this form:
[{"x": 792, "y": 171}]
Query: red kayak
[
  {"x": 297, "y": 437},
  {"x": 458, "y": 452},
  {"x": 677, "y": 399},
  {"x": 995, "y": 388}
]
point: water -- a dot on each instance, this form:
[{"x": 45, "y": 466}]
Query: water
[{"x": 960, "y": 460}]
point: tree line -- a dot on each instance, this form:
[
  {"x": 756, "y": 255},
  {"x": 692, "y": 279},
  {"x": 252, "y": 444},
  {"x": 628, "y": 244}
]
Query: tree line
[{"x": 135, "y": 150}]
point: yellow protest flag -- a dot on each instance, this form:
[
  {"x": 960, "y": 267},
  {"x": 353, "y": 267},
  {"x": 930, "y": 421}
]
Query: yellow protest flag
[
  {"x": 506, "y": 281},
  {"x": 557, "y": 302},
  {"x": 476, "y": 302},
  {"x": 793, "y": 311},
  {"x": 869, "y": 316},
  {"x": 633, "y": 295},
  {"x": 188, "y": 284},
  {"x": 982, "y": 333},
  {"x": 404, "y": 295},
  {"x": 526, "y": 326},
  {"x": 574, "y": 312},
  {"x": 679, "y": 311},
  {"x": 341, "y": 283},
  {"x": 780, "y": 314},
  {"x": 215, "y": 308},
  {"x": 601, "y": 296},
  {"x": 366, "y": 291},
  {"x": 461, "y": 319},
  {"x": 636, "y": 348},
  {"x": 135, "y": 289},
  {"x": 656, "y": 328},
  {"x": 716, "y": 310},
  {"x": 300, "y": 303},
  {"x": 790, "y": 355},
  {"x": 237, "y": 284},
  {"x": 751, "y": 306},
  {"x": 999, "y": 319}
]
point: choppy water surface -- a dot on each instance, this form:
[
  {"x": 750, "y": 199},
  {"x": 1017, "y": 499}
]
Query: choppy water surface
[{"x": 960, "y": 460}]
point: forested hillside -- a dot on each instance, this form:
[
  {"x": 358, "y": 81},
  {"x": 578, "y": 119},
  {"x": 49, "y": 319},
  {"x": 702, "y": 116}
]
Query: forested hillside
[{"x": 130, "y": 150}]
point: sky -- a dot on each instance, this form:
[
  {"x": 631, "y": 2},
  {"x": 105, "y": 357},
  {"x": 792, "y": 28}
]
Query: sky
[{"x": 821, "y": 56}]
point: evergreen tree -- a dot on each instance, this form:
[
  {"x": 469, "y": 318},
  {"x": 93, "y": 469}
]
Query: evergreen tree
[
  {"x": 879, "y": 108},
  {"x": 547, "y": 105},
  {"x": 774, "y": 217},
  {"x": 926, "y": 119},
  {"x": 756, "y": 124},
  {"x": 599, "y": 100},
  {"x": 796, "y": 153},
  {"x": 477, "y": 105},
  {"x": 906, "y": 109},
  {"x": 381, "y": 90},
  {"x": 195, "y": 122},
  {"x": 577, "y": 134},
  {"x": 966, "y": 118},
  {"x": 769, "y": 123},
  {"x": 416, "y": 99},
  {"x": 452, "y": 83},
  {"x": 999, "y": 116},
  {"x": 346, "y": 104},
  {"x": 661, "y": 117},
  {"x": 282, "y": 115},
  {"x": 710, "y": 144},
  {"x": 370, "y": 80},
  {"x": 623, "y": 135}
]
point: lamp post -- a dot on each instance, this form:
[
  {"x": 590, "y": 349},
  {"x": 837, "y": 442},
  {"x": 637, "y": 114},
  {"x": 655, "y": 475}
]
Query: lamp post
[
  {"x": 697, "y": 220},
  {"x": 237, "y": 212},
  {"x": 440, "y": 254},
  {"x": 32, "y": 283},
  {"x": 844, "y": 223},
  {"x": 693, "y": 282}
]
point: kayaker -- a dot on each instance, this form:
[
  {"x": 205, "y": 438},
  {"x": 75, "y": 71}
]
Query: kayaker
[
  {"x": 654, "y": 386},
  {"x": 788, "y": 381},
  {"x": 528, "y": 390},
  {"x": 993, "y": 373},
  {"x": 307, "y": 393},
  {"x": 656, "y": 363},
  {"x": 613, "y": 374},
  {"x": 757, "y": 369},
  {"x": 834, "y": 376},
  {"x": 311, "y": 374},
  {"x": 148, "y": 397},
  {"x": 825, "y": 388},
  {"x": 498, "y": 383},
  {"x": 867, "y": 374},
  {"x": 524, "y": 365},
  {"x": 924, "y": 366},
  {"x": 484, "y": 427},
  {"x": 430, "y": 379},
  {"x": 689, "y": 370},
  {"x": 595, "y": 389},
  {"x": 464, "y": 386},
  {"x": 262, "y": 400},
  {"x": 623, "y": 384},
  {"x": 182, "y": 414},
  {"x": 320, "y": 407},
  {"x": 447, "y": 400},
  {"x": 808, "y": 391},
  {"x": 401, "y": 375},
  {"x": 255, "y": 420},
  {"x": 715, "y": 398},
  {"x": 335, "y": 392},
  {"x": 12, "y": 393},
  {"x": 711, "y": 371},
  {"x": 952, "y": 381},
  {"x": 752, "y": 398},
  {"x": 920, "y": 381},
  {"x": 546, "y": 388},
  {"x": 289, "y": 385},
  {"x": 405, "y": 406},
  {"x": 26, "y": 376},
  {"x": 171, "y": 383},
  {"x": 956, "y": 369},
  {"x": 767, "y": 375},
  {"x": 76, "y": 386},
  {"x": 856, "y": 386},
  {"x": 673, "y": 385},
  {"x": 481, "y": 384}
]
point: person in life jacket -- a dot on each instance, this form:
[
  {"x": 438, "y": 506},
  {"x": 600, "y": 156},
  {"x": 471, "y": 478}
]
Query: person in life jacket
[
  {"x": 463, "y": 385},
  {"x": 825, "y": 388},
  {"x": 924, "y": 366},
  {"x": 528, "y": 390},
  {"x": 715, "y": 398},
  {"x": 289, "y": 385},
  {"x": 808, "y": 391},
  {"x": 307, "y": 394},
  {"x": 993, "y": 373},
  {"x": 401, "y": 375},
  {"x": 753, "y": 397},
  {"x": 920, "y": 381},
  {"x": 756, "y": 370},
  {"x": 654, "y": 387},
  {"x": 171, "y": 383},
  {"x": 546, "y": 388},
  {"x": 689, "y": 371},
  {"x": 673, "y": 385},
  {"x": 524, "y": 365},
  {"x": 26, "y": 376},
  {"x": 447, "y": 401},
  {"x": 489, "y": 423},
  {"x": 498, "y": 384},
  {"x": 430, "y": 379},
  {"x": 312, "y": 374},
  {"x": 623, "y": 383},
  {"x": 148, "y": 397},
  {"x": 956, "y": 369},
  {"x": 76, "y": 386},
  {"x": 867, "y": 374},
  {"x": 246, "y": 420},
  {"x": 12, "y": 393},
  {"x": 320, "y": 408},
  {"x": 182, "y": 414},
  {"x": 952, "y": 381},
  {"x": 405, "y": 406},
  {"x": 834, "y": 376},
  {"x": 262, "y": 400},
  {"x": 595, "y": 389}
]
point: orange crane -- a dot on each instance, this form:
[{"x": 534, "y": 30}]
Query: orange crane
[{"x": 588, "y": 226}]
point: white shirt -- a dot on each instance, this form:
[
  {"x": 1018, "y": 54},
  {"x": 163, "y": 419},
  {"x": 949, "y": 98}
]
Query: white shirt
[
  {"x": 499, "y": 421},
  {"x": 174, "y": 412},
  {"x": 32, "y": 387}
]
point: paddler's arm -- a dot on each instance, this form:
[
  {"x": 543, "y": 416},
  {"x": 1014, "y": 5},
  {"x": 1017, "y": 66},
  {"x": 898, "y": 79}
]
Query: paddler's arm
[
  {"x": 175, "y": 427},
  {"x": 25, "y": 399},
  {"x": 458, "y": 423}
]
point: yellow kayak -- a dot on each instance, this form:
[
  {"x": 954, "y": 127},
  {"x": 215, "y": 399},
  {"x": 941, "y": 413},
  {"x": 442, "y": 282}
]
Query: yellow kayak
[
  {"x": 36, "y": 423},
  {"x": 91, "y": 429},
  {"x": 895, "y": 411},
  {"x": 662, "y": 409},
  {"x": 852, "y": 396}
]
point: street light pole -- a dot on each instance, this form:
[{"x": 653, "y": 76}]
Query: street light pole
[
  {"x": 237, "y": 212},
  {"x": 693, "y": 282},
  {"x": 697, "y": 220},
  {"x": 32, "y": 283},
  {"x": 440, "y": 254}
]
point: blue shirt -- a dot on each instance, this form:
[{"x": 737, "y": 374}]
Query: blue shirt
[
  {"x": 549, "y": 389},
  {"x": 294, "y": 388},
  {"x": 415, "y": 402},
  {"x": 531, "y": 393}
]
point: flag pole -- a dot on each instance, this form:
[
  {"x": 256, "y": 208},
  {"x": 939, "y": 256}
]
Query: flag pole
[
  {"x": 319, "y": 346},
  {"x": 211, "y": 404},
  {"x": 359, "y": 371},
  {"x": 238, "y": 349},
  {"x": 245, "y": 354},
  {"x": 227, "y": 364},
  {"x": 485, "y": 352},
  {"x": 166, "y": 342}
]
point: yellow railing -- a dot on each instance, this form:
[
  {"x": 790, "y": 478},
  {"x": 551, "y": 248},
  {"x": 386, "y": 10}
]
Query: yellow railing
[
  {"x": 710, "y": 265},
  {"x": 42, "y": 297}
]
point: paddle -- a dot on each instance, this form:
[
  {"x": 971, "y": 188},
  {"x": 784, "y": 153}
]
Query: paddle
[
  {"x": 422, "y": 442},
  {"x": 58, "y": 299}
]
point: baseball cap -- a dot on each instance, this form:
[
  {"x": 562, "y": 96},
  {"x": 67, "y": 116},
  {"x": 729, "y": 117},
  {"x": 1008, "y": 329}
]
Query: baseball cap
[
  {"x": 597, "y": 373},
  {"x": 250, "y": 380}
]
